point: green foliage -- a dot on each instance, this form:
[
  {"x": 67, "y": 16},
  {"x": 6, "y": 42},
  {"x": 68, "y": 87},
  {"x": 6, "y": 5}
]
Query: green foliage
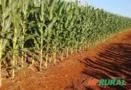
[{"x": 45, "y": 30}]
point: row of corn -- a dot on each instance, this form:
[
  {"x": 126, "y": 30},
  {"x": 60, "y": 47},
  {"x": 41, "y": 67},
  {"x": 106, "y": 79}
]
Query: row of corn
[{"x": 38, "y": 32}]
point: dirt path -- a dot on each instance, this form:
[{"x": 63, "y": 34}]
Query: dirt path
[{"x": 82, "y": 70}]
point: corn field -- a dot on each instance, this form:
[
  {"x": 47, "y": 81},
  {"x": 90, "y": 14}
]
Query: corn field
[{"x": 39, "y": 32}]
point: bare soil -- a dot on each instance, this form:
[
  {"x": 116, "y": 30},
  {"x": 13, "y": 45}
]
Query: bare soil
[{"x": 82, "y": 70}]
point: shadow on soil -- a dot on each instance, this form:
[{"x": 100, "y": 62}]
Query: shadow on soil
[{"x": 113, "y": 62}]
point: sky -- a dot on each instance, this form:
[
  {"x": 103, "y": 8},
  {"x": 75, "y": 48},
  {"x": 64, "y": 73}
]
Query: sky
[{"x": 120, "y": 7}]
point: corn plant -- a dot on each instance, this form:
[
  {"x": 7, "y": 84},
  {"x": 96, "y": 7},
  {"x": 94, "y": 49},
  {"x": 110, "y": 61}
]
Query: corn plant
[
  {"x": 5, "y": 33},
  {"x": 42, "y": 31}
]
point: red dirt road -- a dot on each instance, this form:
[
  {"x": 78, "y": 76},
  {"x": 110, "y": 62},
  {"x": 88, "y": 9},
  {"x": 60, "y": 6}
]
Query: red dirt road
[{"x": 82, "y": 70}]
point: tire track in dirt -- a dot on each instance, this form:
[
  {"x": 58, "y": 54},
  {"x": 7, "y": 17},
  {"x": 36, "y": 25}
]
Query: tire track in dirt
[
  {"x": 82, "y": 70},
  {"x": 113, "y": 62}
]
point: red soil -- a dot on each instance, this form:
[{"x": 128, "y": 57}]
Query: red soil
[{"x": 67, "y": 75}]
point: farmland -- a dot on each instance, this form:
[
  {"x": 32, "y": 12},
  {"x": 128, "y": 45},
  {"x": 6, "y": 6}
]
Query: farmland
[{"x": 40, "y": 33}]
